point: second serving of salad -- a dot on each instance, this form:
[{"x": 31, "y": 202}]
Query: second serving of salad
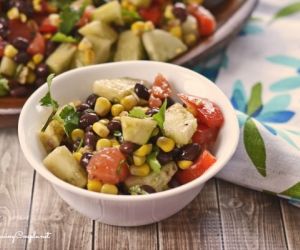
[
  {"x": 130, "y": 137},
  {"x": 38, "y": 37}
]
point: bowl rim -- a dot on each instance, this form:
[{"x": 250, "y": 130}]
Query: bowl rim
[{"x": 217, "y": 166}]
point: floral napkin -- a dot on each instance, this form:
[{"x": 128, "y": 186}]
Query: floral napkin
[{"x": 260, "y": 73}]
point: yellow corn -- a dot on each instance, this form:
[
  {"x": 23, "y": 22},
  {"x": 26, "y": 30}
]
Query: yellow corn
[
  {"x": 199, "y": 2},
  {"x": 168, "y": 14},
  {"x": 143, "y": 150},
  {"x": 184, "y": 164},
  {"x": 10, "y": 51},
  {"x": 138, "y": 27},
  {"x": 115, "y": 143},
  {"x": 37, "y": 5},
  {"x": 116, "y": 109},
  {"x": 102, "y": 106},
  {"x": 176, "y": 31},
  {"x": 30, "y": 77},
  {"x": 109, "y": 189},
  {"x": 77, "y": 134},
  {"x": 166, "y": 144},
  {"x": 23, "y": 18},
  {"x": 190, "y": 39},
  {"x": 31, "y": 65},
  {"x": 125, "y": 3},
  {"x": 129, "y": 102},
  {"x": 13, "y": 13},
  {"x": 142, "y": 171},
  {"x": 104, "y": 121},
  {"x": 85, "y": 44},
  {"x": 37, "y": 58},
  {"x": 103, "y": 143},
  {"x": 94, "y": 185},
  {"x": 77, "y": 156},
  {"x": 123, "y": 113},
  {"x": 139, "y": 160},
  {"x": 100, "y": 129}
]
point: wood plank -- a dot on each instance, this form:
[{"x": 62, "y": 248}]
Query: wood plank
[
  {"x": 250, "y": 219},
  {"x": 197, "y": 226},
  {"x": 119, "y": 238},
  {"x": 291, "y": 218},
  {"x": 68, "y": 228},
  {"x": 16, "y": 178}
]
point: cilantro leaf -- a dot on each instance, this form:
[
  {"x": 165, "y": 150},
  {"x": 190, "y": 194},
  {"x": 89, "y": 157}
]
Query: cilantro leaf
[
  {"x": 136, "y": 190},
  {"x": 131, "y": 15},
  {"x": 160, "y": 116},
  {"x": 70, "y": 118},
  {"x": 137, "y": 113},
  {"x": 153, "y": 162},
  {"x": 4, "y": 88},
  {"x": 47, "y": 100},
  {"x": 62, "y": 38}
]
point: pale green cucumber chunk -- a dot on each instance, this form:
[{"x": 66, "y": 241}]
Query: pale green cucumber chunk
[
  {"x": 8, "y": 66},
  {"x": 101, "y": 47},
  {"x": 109, "y": 12},
  {"x": 141, "y": 3}
]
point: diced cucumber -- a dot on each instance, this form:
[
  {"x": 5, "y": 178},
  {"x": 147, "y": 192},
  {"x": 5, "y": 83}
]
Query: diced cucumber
[
  {"x": 61, "y": 58},
  {"x": 63, "y": 165},
  {"x": 109, "y": 12},
  {"x": 101, "y": 47},
  {"x": 99, "y": 29},
  {"x": 190, "y": 27},
  {"x": 8, "y": 66},
  {"x": 141, "y": 3},
  {"x": 157, "y": 180},
  {"x": 129, "y": 47},
  {"x": 162, "y": 46},
  {"x": 137, "y": 130}
]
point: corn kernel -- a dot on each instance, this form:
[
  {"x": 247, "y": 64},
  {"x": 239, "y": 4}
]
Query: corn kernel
[
  {"x": 85, "y": 44},
  {"x": 143, "y": 150},
  {"x": 31, "y": 65},
  {"x": 184, "y": 164},
  {"x": 23, "y": 18},
  {"x": 141, "y": 171},
  {"x": 129, "y": 102},
  {"x": 123, "y": 113},
  {"x": 138, "y": 27},
  {"x": 77, "y": 134},
  {"x": 31, "y": 77},
  {"x": 198, "y": 2},
  {"x": 115, "y": 143},
  {"x": 104, "y": 121},
  {"x": 102, "y": 106},
  {"x": 109, "y": 189},
  {"x": 100, "y": 129},
  {"x": 94, "y": 185},
  {"x": 131, "y": 7},
  {"x": 168, "y": 14},
  {"x": 103, "y": 143},
  {"x": 116, "y": 109},
  {"x": 10, "y": 51},
  {"x": 176, "y": 31},
  {"x": 13, "y": 13},
  {"x": 77, "y": 156},
  {"x": 190, "y": 39},
  {"x": 166, "y": 144},
  {"x": 37, "y": 5},
  {"x": 125, "y": 4},
  {"x": 139, "y": 160},
  {"x": 37, "y": 58}
]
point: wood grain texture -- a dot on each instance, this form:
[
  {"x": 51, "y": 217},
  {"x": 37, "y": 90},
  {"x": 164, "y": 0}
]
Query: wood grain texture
[
  {"x": 250, "y": 220},
  {"x": 68, "y": 228},
  {"x": 16, "y": 178},
  {"x": 123, "y": 238},
  {"x": 197, "y": 226},
  {"x": 291, "y": 220}
]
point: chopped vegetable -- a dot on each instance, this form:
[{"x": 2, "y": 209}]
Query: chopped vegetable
[
  {"x": 153, "y": 162},
  {"x": 62, "y": 38},
  {"x": 160, "y": 116},
  {"x": 137, "y": 112},
  {"x": 70, "y": 118},
  {"x": 4, "y": 88}
]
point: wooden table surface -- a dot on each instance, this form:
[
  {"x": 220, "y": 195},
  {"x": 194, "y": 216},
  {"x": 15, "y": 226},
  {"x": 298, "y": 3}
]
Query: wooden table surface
[{"x": 223, "y": 216}]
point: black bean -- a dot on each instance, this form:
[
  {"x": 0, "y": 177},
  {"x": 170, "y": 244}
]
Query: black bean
[
  {"x": 3, "y": 23},
  {"x": 85, "y": 158},
  {"x": 91, "y": 100},
  {"x": 90, "y": 140},
  {"x": 170, "y": 102},
  {"x": 164, "y": 157},
  {"x": 50, "y": 47},
  {"x": 88, "y": 119},
  {"x": 24, "y": 7},
  {"x": 152, "y": 111},
  {"x": 141, "y": 91},
  {"x": 114, "y": 125},
  {"x": 3, "y": 33},
  {"x": 173, "y": 183},
  {"x": 20, "y": 43},
  {"x": 89, "y": 128},
  {"x": 21, "y": 58},
  {"x": 42, "y": 70},
  {"x": 82, "y": 107},
  {"x": 39, "y": 82},
  {"x": 128, "y": 147},
  {"x": 19, "y": 91},
  {"x": 180, "y": 12},
  {"x": 148, "y": 189},
  {"x": 190, "y": 152},
  {"x": 176, "y": 152},
  {"x": 68, "y": 143}
]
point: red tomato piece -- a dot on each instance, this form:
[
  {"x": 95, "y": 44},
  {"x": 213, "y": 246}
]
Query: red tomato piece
[
  {"x": 86, "y": 17},
  {"x": 154, "y": 102},
  {"x": 205, "y": 136},
  {"x": 161, "y": 88},
  {"x": 206, "y": 21},
  {"x": 19, "y": 29},
  {"x": 152, "y": 13},
  {"x": 207, "y": 112},
  {"x": 2, "y": 46},
  {"x": 205, "y": 160},
  {"x": 47, "y": 27},
  {"x": 37, "y": 46},
  {"x": 108, "y": 166}
]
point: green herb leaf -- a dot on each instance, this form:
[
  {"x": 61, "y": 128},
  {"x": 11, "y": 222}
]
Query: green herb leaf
[
  {"x": 287, "y": 10},
  {"x": 4, "y": 88},
  {"x": 153, "y": 162},
  {"x": 136, "y": 190},
  {"x": 69, "y": 17},
  {"x": 131, "y": 15},
  {"x": 137, "y": 113},
  {"x": 160, "y": 116},
  {"x": 255, "y": 101},
  {"x": 119, "y": 168},
  {"x": 62, "y": 38},
  {"x": 47, "y": 100},
  {"x": 117, "y": 133},
  {"x": 293, "y": 191},
  {"x": 70, "y": 118},
  {"x": 62, "y": 3}
]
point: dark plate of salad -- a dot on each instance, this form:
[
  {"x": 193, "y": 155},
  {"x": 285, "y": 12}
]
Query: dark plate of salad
[{"x": 39, "y": 37}]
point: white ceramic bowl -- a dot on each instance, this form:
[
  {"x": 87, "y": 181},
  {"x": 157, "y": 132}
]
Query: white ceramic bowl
[{"x": 125, "y": 210}]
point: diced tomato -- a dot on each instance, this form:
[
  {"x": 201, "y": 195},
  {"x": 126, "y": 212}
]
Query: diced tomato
[
  {"x": 207, "y": 112},
  {"x": 108, "y": 166},
  {"x": 205, "y": 136},
  {"x": 206, "y": 21},
  {"x": 152, "y": 13},
  {"x": 37, "y": 46},
  {"x": 86, "y": 17},
  {"x": 47, "y": 27},
  {"x": 205, "y": 160},
  {"x": 18, "y": 29},
  {"x": 2, "y": 46},
  {"x": 161, "y": 88},
  {"x": 154, "y": 102}
]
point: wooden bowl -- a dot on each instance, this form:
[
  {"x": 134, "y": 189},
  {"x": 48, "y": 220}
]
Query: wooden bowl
[{"x": 230, "y": 15}]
